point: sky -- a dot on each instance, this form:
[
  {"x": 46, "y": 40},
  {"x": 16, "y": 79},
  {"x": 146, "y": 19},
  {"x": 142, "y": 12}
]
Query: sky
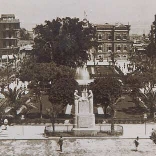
[{"x": 138, "y": 13}]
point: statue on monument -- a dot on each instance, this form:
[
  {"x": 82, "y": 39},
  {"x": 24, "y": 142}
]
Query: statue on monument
[
  {"x": 90, "y": 96},
  {"x": 90, "y": 99},
  {"x": 80, "y": 98},
  {"x": 76, "y": 96}
]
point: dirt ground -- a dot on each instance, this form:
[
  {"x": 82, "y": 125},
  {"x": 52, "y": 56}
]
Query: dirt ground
[{"x": 77, "y": 147}]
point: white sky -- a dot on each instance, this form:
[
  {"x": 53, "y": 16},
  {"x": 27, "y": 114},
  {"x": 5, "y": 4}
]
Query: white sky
[{"x": 139, "y": 13}]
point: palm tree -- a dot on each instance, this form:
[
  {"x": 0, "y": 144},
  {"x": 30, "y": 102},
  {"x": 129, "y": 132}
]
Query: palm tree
[{"x": 16, "y": 102}]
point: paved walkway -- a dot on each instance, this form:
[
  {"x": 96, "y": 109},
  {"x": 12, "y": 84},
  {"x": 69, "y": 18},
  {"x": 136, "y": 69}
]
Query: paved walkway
[{"x": 36, "y": 131}]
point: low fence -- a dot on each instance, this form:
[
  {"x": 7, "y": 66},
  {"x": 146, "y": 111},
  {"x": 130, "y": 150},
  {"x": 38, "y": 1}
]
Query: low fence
[
  {"x": 107, "y": 128},
  {"x": 60, "y": 128},
  {"x": 68, "y": 128}
]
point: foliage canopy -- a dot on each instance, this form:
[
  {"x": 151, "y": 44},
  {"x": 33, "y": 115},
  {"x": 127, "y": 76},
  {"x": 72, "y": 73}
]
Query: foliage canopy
[{"x": 63, "y": 41}]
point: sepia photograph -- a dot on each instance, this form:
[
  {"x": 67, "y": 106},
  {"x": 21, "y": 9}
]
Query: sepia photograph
[{"x": 77, "y": 78}]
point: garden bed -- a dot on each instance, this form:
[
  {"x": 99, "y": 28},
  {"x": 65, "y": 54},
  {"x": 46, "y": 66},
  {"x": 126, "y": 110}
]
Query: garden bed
[{"x": 71, "y": 134}]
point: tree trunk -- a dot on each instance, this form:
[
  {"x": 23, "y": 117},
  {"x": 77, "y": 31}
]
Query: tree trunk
[
  {"x": 105, "y": 111},
  {"x": 112, "y": 120},
  {"x": 53, "y": 122},
  {"x": 40, "y": 102},
  {"x": 112, "y": 124},
  {"x": 151, "y": 111},
  {"x": 40, "y": 107}
]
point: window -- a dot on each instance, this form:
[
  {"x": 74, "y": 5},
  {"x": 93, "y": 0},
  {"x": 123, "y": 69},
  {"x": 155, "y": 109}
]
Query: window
[
  {"x": 9, "y": 35},
  {"x": 4, "y": 35},
  {"x": 109, "y": 47},
  {"x": 100, "y": 48},
  {"x": 10, "y": 43},
  {"x": 118, "y": 36},
  {"x": 4, "y": 26},
  {"x": 4, "y": 44},
  {"x": 100, "y": 58},
  {"x": 118, "y": 47},
  {"x": 125, "y": 47},
  {"x": 99, "y": 37},
  {"x": 109, "y": 36},
  {"x": 124, "y": 36}
]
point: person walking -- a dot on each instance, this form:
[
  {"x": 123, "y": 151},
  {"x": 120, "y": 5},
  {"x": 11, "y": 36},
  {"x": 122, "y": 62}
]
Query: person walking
[
  {"x": 136, "y": 142},
  {"x": 60, "y": 142},
  {"x": 153, "y": 135}
]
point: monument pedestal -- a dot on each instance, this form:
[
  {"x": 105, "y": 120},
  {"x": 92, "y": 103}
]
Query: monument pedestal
[
  {"x": 85, "y": 131},
  {"x": 85, "y": 125},
  {"x": 85, "y": 120}
]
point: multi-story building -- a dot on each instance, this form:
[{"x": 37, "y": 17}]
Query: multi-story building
[
  {"x": 112, "y": 39},
  {"x": 153, "y": 31},
  {"x": 9, "y": 27}
]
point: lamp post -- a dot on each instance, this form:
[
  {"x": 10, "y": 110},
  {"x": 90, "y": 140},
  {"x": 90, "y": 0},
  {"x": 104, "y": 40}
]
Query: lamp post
[{"x": 145, "y": 118}]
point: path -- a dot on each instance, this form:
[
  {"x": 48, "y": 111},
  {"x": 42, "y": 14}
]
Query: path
[{"x": 36, "y": 131}]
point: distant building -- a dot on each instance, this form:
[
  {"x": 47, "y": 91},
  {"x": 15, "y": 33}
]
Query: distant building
[
  {"x": 153, "y": 31},
  {"x": 112, "y": 39},
  {"x": 31, "y": 35},
  {"x": 9, "y": 28}
]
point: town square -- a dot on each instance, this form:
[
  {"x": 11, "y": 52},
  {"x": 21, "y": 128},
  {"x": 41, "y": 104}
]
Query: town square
[{"x": 77, "y": 78}]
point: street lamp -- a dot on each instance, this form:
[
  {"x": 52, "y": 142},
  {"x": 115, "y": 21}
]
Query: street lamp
[{"x": 145, "y": 118}]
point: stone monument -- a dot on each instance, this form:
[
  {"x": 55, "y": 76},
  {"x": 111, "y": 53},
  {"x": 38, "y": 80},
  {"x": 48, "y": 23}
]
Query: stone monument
[{"x": 84, "y": 122}]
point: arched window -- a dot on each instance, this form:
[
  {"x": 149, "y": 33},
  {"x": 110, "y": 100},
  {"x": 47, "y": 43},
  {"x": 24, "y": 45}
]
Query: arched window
[{"x": 99, "y": 37}]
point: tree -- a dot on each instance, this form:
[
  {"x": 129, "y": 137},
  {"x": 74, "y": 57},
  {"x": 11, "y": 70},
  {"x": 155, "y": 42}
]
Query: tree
[
  {"x": 43, "y": 72},
  {"x": 63, "y": 41},
  {"x": 107, "y": 92},
  {"x": 144, "y": 74},
  {"x": 24, "y": 35},
  {"x": 41, "y": 75},
  {"x": 16, "y": 103},
  {"x": 61, "y": 94}
]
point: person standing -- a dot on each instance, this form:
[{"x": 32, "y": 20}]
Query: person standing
[
  {"x": 136, "y": 142},
  {"x": 60, "y": 142},
  {"x": 5, "y": 123}
]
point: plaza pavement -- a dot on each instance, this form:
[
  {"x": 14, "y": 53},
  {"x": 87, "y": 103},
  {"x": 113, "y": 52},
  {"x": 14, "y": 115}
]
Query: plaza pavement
[{"x": 36, "y": 132}]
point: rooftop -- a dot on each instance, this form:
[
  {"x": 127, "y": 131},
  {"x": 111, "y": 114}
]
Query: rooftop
[
  {"x": 111, "y": 26},
  {"x": 7, "y": 16}
]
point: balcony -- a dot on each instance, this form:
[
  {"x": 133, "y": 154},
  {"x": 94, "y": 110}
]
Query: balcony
[
  {"x": 99, "y": 51},
  {"x": 109, "y": 51},
  {"x": 9, "y": 48},
  {"x": 8, "y": 38},
  {"x": 118, "y": 51},
  {"x": 11, "y": 29}
]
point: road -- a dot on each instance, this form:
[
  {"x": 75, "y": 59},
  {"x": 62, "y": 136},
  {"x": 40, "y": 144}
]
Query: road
[{"x": 77, "y": 147}]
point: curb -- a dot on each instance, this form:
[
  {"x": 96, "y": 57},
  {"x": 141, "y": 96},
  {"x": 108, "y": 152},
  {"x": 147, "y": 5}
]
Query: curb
[{"x": 54, "y": 138}]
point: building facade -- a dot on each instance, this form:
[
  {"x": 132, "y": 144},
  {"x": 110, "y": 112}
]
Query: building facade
[
  {"x": 153, "y": 31},
  {"x": 9, "y": 28},
  {"x": 112, "y": 39}
]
